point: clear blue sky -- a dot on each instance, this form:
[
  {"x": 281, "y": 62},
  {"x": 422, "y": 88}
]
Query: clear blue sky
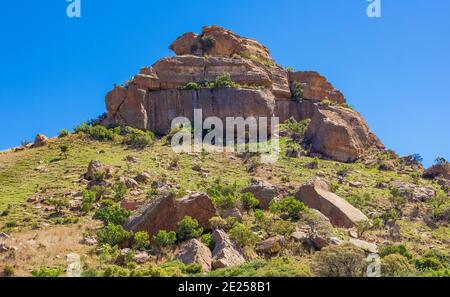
[{"x": 395, "y": 70}]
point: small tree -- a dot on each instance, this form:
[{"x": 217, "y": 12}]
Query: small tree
[
  {"x": 396, "y": 265},
  {"x": 288, "y": 206},
  {"x": 112, "y": 235},
  {"x": 440, "y": 161},
  {"x": 189, "y": 228},
  {"x": 141, "y": 240},
  {"x": 63, "y": 133},
  {"x": 297, "y": 91},
  {"x": 242, "y": 235},
  {"x": 64, "y": 149}
]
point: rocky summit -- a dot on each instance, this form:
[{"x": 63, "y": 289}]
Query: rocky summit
[{"x": 177, "y": 85}]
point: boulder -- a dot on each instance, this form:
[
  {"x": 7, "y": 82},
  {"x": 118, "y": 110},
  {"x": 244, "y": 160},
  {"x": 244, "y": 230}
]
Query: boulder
[
  {"x": 316, "y": 87},
  {"x": 412, "y": 191},
  {"x": 96, "y": 169},
  {"x": 234, "y": 213},
  {"x": 164, "y": 213},
  {"x": 271, "y": 245},
  {"x": 317, "y": 195},
  {"x": 40, "y": 140},
  {"x": 364, "y": 245},
  {"x": 143, "y": 177},
  {"x": 129, "y": 182},
  {"x": 225, "y": 253},
  {"x": 438, "y": 170},
  {"x": 340, "y": 134},
  {"x": 194, "y": 251},
  {"x": 263, "y": 191}
]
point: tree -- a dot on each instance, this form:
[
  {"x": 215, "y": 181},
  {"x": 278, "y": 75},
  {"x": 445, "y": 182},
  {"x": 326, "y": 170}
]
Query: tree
[
  {"x": 440, "y": 161},
  {"x": 64, "y": 149},
  {"x": 189, "y": 228}
]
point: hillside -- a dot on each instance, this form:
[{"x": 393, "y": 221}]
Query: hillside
[{"x": 114, "y": 193}]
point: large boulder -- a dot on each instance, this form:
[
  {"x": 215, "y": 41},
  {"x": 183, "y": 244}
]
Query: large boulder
[
  {"x": 264, "y": 191},
  {"x": 340, "y": 134},
  {"x": 97, "y": 171},
  {"x": 164, "y": 213},
  {"x": 225, "y": 253},
  {"x": 315, "y": 86},
  {"x": 40, "y": 140},
  {"x": 194, "y": 251},
  {"x": 317, "y": 195},
  {"x": 271, "y": 245}
]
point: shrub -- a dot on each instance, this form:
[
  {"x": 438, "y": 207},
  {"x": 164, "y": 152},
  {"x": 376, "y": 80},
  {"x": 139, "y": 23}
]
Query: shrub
[
  {"x": 223, "y": 80},
  {"x": 63, "y": 133},
  {"x": 289, "y": 69},
  {"x": 115, "y": 271},
  {"x": 188, "y": 228},
  {"x": 90, "y": 272},
  {"x": 344, "y": 260},
  {"x": 64, "y": 149},
  {"x": 242, "y": 235},
  {"x": 47, "y": 272},
  {"x": 119, "y": 190},
  {"x": 11, "y": 224},
  {"x": 440, "y": 208},
  {"x": 137, "y": 138},
  {"x": 110, "y": 213},
  {"x": 141, "y": 240},
  {"x": 395, "y": 249},
  {"x": 108, "y": 253},
  {"x": 357, "y": 201},
  {"x": 217, "y": 223},
  {"x": 288, "y": 206},
  {"x": 440, "y": 161},
  {"x": 396, "y": 265},
  {"x": 88, "y": 199},
  {"x": 295, "y": 130},
  {"x": 8, "y": 271},
  {"x": 222, "y": 195},
  {"x": 314, "y": 164},
  {"x": 297, "y": 91},
  {"x": 191, "y": 86},
  {"x": 208, "y": 241},
  {"x": 249, "y": 201},
  {"x": 165, "y": 239},
  {"x": 112, "y": 235},
  {"x": 433, "y": 260},
  {"x": 97, "y": 132}
]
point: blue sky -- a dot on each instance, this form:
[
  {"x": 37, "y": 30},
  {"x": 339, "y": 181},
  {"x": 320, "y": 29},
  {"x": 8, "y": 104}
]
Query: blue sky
[{"x": 395, "y": 70}]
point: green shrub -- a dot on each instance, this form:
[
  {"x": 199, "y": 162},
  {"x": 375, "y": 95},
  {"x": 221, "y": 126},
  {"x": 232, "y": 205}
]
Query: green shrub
[
  {"x": 64, "y": 149},
  {"x": 440, "y": 207},
  {"x": 165, "y": 239},
  {"x": 217, "y": 223},
  {"x": 208, "y": 241},
  {"x": 112, "y": 235},
  {"x": 11, "y": 224},
  {"x": 191, "y": 86},
  {"x": 119, "y": 189},
  {"x": 63, "y": 133},
  {"x": 223, "y": 80},
  {"x": 396, "y": 265},
  {"x": 288, "y": 206},
  {"x": 97, "y": 132},
  {"x": 188, "y": 228},
  {"x": 242, "y": 235},
  {"x": 358, "y": 201},
  {"x": 295, "y": 130},
  {"x": 110, "y": 213},
  {"x": 395, "y": 249},
  {"x": 116, "y": 271},
  {"x": 108, "y": 253},
  {"x": 47, "y": 272},
  {"x": 88, "y": 199},
  {"x": 141, "y": 240},
  {"x": 433, "y": 260},
  {"x": 344, "y": 260},
  {"x": 289, "y": 69},
  {"x": 137, "y": 138},
  {"x": 8, "y": 271},
  {"x": 440, "y": 161},
  {"x": 314, "y": 164},
  {"x": 222, "y": 195},
  {"x": 297, "y": 91},
  {"x": 249, "y": 201},
  {"x": 90, "y": 272}
]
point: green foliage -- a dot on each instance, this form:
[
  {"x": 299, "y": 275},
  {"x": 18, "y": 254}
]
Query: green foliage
[
  {"x": 188, "y": 228},
  {"x": 440, "y": 161},
  {"x": 112, "y": 235},
  {"x": 90, "y": 272},
  {"x": 64, "y": 149},
  {"x": 208, "y": 241},
  {"x": 344, "y": 260},
  {"x": 97, "y": 132},
  {"x": 119, "y": 190},
  {"x": 433, "y": 260},
  {"x": 115, "y": 271},
  {"x": 191, "y": 86},
  {"x": 224, "y": 80},
  {"x": 217, "y": 223},
  {"x": 297, "y": 91},
  {"x": 294, "y": 130},
  {"x": 223, "y": 196},
  {"x": 108, "y": 253},
  {"x": 288, "y": 206},
  {"x": 88, "y": 199},
  {"x": 207, "y": 43},
  {"x": 110, "y": 213},
  {"x": 242, "y": 235},
  {"x": 275, "y": 267},
  {"x": 8, "y": 271},
  {"x": 63, "y": 133},
  {"x": 137, "y": 138},
  {"x": 314, "y": 164},
  {"x": 249, "y": 201},
  {"x": 165, "y": 239},
  {"x": 358, "y": 201},
  {"x": 417, "y": 158},
  {"x": 440, "y": 207},
  {"x": 47, "y": 272},
  {"x": 395, "y": 265},
  {"x": 395, "y": 249},
  {"x": 141, "y": 240},
  {"x": 289, "y": 69}
]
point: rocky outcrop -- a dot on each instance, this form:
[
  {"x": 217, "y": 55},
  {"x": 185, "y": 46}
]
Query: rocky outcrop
[
  {"x": 40, "y": 140},
  {"x": 271, "y": 245},
  {"x": 438, "y": 170},
  {"x": 194, "y": 251},
  {"x": 165, "y": 212},
  {"x": 263, "y": 191},
  {"x": 413, "y": 192},
  {"x": 154, "y": 97},
  {"x": 225, "y": 253},
  {"x": 317, "y": 195},
  {"x": 340, "y": 134},
  {"x": 97, "y": 171},
  {"x": 315, "y": 86}
]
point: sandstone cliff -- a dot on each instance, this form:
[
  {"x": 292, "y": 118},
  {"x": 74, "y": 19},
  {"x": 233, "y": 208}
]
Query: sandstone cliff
[{"x": 155, "y": 96}]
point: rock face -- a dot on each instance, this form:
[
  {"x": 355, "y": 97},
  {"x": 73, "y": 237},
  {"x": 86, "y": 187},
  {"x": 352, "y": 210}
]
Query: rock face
[
  {"x": 40, "y": 140},
  {"x": 263, "y": 191},
  {"x": 154, "y": 97},
  {"x": 413, "y": 192},
  {"x": 225, "y": 253},
  {"x": 317, "y": 195},
  {"x": 438, "y": 170},
  {"x": 164, "y": 213},
  {"x": 194, "y": 251}
]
